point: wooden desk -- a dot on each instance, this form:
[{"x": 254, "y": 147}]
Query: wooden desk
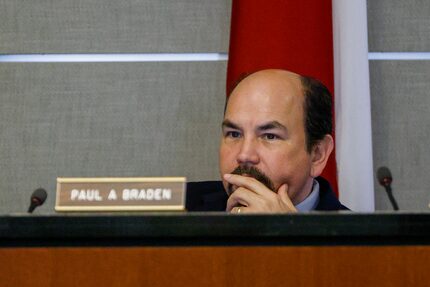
[{"x": 326, "y": 249}]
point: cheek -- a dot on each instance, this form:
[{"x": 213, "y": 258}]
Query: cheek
[
  {"x": 287, "y": 167},
  {"x": 226, "y": 159}
]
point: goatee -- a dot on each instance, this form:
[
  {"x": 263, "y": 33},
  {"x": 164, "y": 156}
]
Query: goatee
[{"x": 254, "y": 172}]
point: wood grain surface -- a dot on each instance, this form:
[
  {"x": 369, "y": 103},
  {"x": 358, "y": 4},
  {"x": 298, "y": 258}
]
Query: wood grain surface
[{"x": 216, "y": 266}]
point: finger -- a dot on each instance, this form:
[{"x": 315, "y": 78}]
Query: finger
[
  {"x": 237, "y": 198},
  {"x": 238, "y": 210},
  {"x": 283, "y": 195},
  {"x": 242, "y": 197},
  {"x": 247, "y": 182},
  {"x": 232, "y": 203}
]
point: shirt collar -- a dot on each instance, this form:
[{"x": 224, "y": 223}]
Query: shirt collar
[{"x": 312, "y": 200}]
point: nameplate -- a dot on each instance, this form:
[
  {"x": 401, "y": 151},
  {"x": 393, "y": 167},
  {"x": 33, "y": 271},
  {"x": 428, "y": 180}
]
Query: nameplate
[{"x": 121, "y": 194}]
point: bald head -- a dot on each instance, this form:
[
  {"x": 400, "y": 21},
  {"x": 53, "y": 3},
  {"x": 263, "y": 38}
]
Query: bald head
[
  {"x": 262, "y": 73},
  {"x": 315, "y": 97},
  {"x": 270, "y": 129}
]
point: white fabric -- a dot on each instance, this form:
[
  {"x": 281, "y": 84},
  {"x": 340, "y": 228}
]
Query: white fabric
[
  {"x": 352, "y": 105},
  {"x": 310, "y": 202}
]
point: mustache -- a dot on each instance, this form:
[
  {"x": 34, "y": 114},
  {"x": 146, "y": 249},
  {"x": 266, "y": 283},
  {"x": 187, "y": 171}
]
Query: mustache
[{"x": 254, "y": 172}]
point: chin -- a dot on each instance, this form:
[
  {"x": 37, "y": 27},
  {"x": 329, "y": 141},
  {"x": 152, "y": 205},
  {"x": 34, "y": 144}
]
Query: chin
[{"x": 225, "y": 184}]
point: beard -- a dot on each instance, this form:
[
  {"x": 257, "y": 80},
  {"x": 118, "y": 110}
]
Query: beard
[{"x": 253, "y": 172}]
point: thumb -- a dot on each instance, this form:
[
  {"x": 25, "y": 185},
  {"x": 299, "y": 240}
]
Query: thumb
[{"x": 283, "y": 195}]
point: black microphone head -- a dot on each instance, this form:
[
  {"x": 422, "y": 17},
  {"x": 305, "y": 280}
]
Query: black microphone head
[
  {"x": 384, "y": 176},
  {"x": 38, "y": 197}
]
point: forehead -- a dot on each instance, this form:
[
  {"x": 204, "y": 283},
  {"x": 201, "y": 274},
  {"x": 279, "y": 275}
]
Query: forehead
[{"x": 266, "y": 96}]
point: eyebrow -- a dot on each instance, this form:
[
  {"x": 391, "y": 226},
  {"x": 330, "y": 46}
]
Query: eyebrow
[
  {"x": 267, "y": 126},
  {"x": 229, "y": 124},
  {"x": 272, "y": 125}
]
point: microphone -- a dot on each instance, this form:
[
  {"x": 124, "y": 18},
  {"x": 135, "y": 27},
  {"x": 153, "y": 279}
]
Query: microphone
[
  {"x": 37, "y": 198},
  {"x": 385, "y": 179}
]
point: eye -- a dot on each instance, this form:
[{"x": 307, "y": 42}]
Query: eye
[
  {"x": 232, "y": 134},
  {"x": 269, "y": 136}
]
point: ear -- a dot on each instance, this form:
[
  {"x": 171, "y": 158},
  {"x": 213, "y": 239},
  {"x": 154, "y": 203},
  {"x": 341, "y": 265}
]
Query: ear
[{"x": 319, "y": 155}]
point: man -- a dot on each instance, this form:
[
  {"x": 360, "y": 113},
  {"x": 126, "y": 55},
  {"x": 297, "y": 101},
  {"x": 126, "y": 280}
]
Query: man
[{"x": 275, "y": 143}]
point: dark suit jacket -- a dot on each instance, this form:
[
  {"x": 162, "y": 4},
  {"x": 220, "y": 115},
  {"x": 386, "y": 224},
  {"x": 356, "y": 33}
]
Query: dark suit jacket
[{"x": 210, "y": 196}]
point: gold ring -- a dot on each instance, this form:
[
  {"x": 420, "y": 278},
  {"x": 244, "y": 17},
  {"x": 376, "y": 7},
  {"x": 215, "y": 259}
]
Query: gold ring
[{"x": 238, "y": 210}]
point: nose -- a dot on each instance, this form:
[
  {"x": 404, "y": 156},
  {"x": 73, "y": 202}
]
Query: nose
[{"x": 248, "y": 154}]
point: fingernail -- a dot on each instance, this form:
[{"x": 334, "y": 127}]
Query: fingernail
[{"x": 227, "y": 176}]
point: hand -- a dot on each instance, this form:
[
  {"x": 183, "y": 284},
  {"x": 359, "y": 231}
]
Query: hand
[{"x": 252, "y": 196}]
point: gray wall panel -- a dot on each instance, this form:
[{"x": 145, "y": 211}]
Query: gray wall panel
[
  {"x": 401, "y": 130},
  {"x": 106, "y": 119},
  {"x": 399, "y": 25},
  {"x": 107, "y": 26}
]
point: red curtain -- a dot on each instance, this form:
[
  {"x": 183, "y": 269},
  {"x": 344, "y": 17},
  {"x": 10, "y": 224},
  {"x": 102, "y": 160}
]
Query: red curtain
[{"x": 295, "y": 35}]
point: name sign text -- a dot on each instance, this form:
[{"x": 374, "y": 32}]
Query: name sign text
[{"x": 121, "y": 194}]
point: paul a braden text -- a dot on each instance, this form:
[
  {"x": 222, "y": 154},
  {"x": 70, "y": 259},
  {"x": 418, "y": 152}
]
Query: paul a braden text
[{"x": 149, "y": 194}]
